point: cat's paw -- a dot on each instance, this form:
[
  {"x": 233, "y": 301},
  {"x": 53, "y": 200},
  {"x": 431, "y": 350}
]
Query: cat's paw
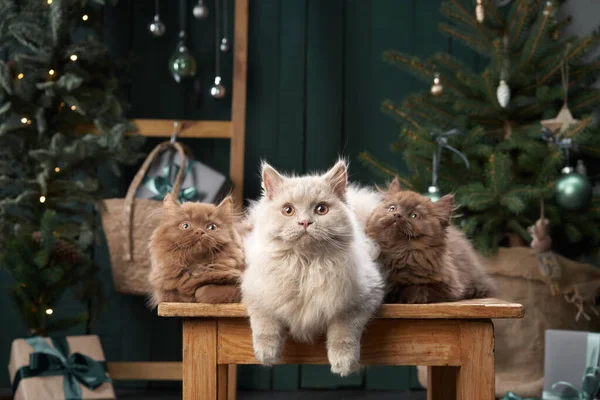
[
  {"x": 268, "y": 350},
  {"x": 344, "y": 364}
]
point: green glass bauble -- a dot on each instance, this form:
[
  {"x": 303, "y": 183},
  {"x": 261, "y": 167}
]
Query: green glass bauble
[
  {"x": 182, "y": 63},
  {"x": 573, "y": 190},
  {"x": 433, "y": 192}
]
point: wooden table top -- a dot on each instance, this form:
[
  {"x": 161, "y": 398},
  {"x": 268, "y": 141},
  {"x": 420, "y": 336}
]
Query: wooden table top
[{"x": 466, "y": 309}]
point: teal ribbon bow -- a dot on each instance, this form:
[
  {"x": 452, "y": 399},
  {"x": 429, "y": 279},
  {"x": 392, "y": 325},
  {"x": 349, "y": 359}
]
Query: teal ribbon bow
[
  {"x": 163, "y": 184},
  {"x": 590, "y": 383},
  {"x": 55, "y": 361}
]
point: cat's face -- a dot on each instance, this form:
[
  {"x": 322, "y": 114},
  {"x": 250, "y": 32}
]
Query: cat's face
[
  {"x": 307, "y": 211},
  {"x": 194, "y": 228},
  {"x": 407, "y": 215}
]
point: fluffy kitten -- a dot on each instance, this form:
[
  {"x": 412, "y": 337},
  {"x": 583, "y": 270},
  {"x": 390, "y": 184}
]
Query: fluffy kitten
[
  {"x": 426, "y": 260},
  {"x": 197, "y": 254},
  {"x": 309, "y": 270}
]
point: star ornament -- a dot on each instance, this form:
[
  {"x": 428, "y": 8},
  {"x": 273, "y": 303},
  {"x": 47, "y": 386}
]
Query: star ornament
[{"x": 563, "y": 120}]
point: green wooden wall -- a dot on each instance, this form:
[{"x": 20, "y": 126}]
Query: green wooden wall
[{"x": 315, "y": 83}]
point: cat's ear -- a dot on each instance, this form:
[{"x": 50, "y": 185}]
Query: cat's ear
[
  {"x": 443, "y": 209},
  {"x": 394, "y": 186},
  {"x": 225, "y": 207},
  {"x": 337, "y": 177},
  {"x": 271, "y": 180},
  {"x": 170, "y": 203}
]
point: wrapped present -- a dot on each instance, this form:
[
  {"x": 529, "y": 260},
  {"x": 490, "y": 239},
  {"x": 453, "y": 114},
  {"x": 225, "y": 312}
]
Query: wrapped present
[
  {"x": 200, "y": 182},
  {"x": 59, "y": 368}
]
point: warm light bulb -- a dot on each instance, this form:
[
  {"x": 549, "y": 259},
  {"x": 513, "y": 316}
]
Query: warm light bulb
[
  {"x": 49, "y": 2},
  {"x": 20, "y": 76},
  {"x": 49, "y": 311},
  {"x": 57, "y": 169},
  {"x": 51, "y": 72},
  {"x": 85, "y": 17},
  {"x": 23, "y": 120},
  {"x": 62, "y": 103},
  {"x": 42, "y": 199},
  {"x": 28, "y": 122},
  {"x": 73, "y": 57},
  {"x": 73, "y": 108}
]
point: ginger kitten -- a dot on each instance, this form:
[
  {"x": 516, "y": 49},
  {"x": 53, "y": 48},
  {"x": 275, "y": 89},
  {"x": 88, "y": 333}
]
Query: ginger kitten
[
  {"x": 309, "y": 267},
  {"x": 425, "y": 259},
  {"x": 197, "y": 254}
]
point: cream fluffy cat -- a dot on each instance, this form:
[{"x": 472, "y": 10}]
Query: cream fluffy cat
[{"x": 310, "y": 268}]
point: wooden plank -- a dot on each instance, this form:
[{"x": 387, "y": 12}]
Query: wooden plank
[
  {"x": 238, "y": 105},
  {"x": 441, "y": 383},
  {"x": 144, "y": 371},
  {"x": 222, "y": 379},
  {"x": 189, "y": 128},
  {"x": 467, "y": 309},
  {"x": 475, "y": 377},
  {"x": 385, "y": 342},
  {"x": 199, "y": 359},
  {"x": 231, "y": 382}
]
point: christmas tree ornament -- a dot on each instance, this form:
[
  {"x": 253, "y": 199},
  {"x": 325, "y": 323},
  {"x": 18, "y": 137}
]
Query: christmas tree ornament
[
  {"x": 182, "y": 63},
  {"x": 564, "y": 119},
  {"x": 217, "y": 90},
  {"x": 573, "y": 189},
  {"x": 156, "y": 27},
  {"x": 437, "y": 88},
  {"x": 224, "y": 41},
  {"x": 433, "y": 191},
  {"x": 479, "y": 11},
  {"x": 200, "y": 10},
  {"x": 503, "y": 94}
]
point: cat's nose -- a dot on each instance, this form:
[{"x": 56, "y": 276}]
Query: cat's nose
[
  {"x": 305, "y": 223},
  {"x": 199, "y": 232},
  {"x": 397, "y": 215}
]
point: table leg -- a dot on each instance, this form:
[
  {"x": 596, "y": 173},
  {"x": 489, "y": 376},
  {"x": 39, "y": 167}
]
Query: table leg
[
  {"x": 199, "y": 359},
  {"x": 232, "y": 382},
  {"x": 222, "y": 381},
  {"x": 475, "y": 377},
  {"x": 441, "y": 383}
]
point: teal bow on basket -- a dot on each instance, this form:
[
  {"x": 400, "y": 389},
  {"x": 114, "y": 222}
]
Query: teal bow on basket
[
  {"x": 55, "y": 361},
  {"x": 163, "y": 184}
]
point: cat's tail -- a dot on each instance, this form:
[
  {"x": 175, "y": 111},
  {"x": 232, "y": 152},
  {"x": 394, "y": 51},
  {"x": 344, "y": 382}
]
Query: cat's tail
[{"x": 362, "y": 201}]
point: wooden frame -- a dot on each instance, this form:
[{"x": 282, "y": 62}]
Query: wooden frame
[
  {"x": 233, "y": 130},
  {"x": 455, "y": 340}
]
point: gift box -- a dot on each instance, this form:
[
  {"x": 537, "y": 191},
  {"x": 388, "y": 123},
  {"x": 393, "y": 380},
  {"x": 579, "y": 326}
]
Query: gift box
[
  {"x": 571, "y": 365},
  {"x": 59, "y": 368},
  {"x": 200, "y": 182}
]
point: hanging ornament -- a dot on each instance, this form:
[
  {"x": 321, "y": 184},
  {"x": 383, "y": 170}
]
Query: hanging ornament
[
  {"x": 182, "y": 63},
  {"x": 217, "y": 90},
  {"x": 503, "y": 90},
  {"x": 503, "y": 94},
  {"x": 433, "y": 191},
  {"x": 200, "y": 10},
  {"x": 224, "y": 41},
  {"x": 573, "y": 189},
  {"x": 541, "y": 243},
  {"x": 479, "y": 11},
  {"x": 437, "y": 88},
  {"x": 156, "y": 27}
]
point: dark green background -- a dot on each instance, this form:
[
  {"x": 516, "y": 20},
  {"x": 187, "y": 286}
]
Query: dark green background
[{"x": 315, "y": 83}]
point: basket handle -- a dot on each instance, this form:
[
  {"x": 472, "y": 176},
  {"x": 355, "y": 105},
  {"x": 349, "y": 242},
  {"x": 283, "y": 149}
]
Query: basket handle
[{"x": 135, "y": 184}]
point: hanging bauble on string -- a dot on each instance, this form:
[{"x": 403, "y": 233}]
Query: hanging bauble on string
[
  {"x": 503, "y": 94},
  {"x": 182, "y": 63},
  {"x": 225, "y": 46},
  {"x": 200, "y": 10},
  {"x": 479, "y": 11},
  {"x": 437, "y": 88},
  {"x": 573, "y": 190},
  {"x": 217, "y": 90},
  {"x": 434, "y": 193},
  {"x": 156, "y": 27}
]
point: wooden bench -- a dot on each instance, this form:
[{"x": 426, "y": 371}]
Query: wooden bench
[{"x": 455, "y": 340}]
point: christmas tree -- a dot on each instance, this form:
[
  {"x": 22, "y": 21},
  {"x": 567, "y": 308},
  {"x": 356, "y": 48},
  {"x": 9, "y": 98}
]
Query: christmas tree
[
  {"x": 504, "y": 119},
  {"x": 60, "y": 120}
]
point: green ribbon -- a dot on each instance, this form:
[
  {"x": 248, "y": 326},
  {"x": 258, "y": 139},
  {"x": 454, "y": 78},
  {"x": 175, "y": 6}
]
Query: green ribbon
[
  {"x": 55, "y": 361},
  {"x": 590, "y": 383},
  {"x": 162, "y": 184}
]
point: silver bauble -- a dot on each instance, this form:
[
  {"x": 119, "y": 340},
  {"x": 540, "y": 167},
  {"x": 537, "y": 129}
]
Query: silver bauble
[
  {"x": 224, "y": 45},
  {"x": 217, "y": 90},
  {"x": 200, "y": 11},
  {"x": 156, "y": 27}
]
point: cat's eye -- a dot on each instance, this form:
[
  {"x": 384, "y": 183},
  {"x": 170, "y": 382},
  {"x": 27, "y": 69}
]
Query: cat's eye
[
  {"x": 288, "y": 210},
  {"x": 185, "y": 225},
  {"x": 392, "y": 209},
  {"x": 414, "y": 215},
  {"x": 321, "y": 209},
  {"x": 212, "y": 227}
]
